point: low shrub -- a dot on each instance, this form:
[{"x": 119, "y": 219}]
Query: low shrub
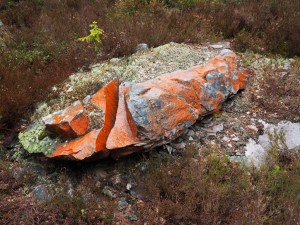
[
  {"x": 279, "y": 94},
  {"x": 271, "y": 25},
  {"x": 17, "y": 206},
  {"x": 211, "y": 189},
  {"x": 42, "y": 47}
]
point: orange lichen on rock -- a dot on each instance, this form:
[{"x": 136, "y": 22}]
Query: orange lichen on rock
[
  {"x": 145, "y": 115},
  {"x": 80, "y": 148},
  {"x": 95, "y": 141},
  {"x": 163, "y": 107},
  {"x": 71, "y": 122},
  {"x": 104, "y": 95},
  {"x": 124, "y": 130}
]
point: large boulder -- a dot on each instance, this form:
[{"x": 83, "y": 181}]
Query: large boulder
[
  {"x": 141, "y": 116},
  {"x": 157, "y": 111}
]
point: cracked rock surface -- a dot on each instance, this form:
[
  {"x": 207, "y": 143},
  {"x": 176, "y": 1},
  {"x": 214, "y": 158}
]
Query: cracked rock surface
[{"x": 140, "y": 116}]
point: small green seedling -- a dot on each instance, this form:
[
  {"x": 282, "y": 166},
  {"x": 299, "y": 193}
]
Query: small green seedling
[{"x": 95, "y": 35}]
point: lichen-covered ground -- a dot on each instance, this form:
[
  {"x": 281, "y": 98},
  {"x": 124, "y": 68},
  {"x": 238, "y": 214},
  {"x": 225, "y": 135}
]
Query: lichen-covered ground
[{"x": 111, "y": 184}]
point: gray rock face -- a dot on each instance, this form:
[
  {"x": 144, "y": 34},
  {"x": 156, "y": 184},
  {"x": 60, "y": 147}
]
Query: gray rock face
[
  {"x": 40, "y": 193},
  {"x": 141, "y": 47},
  {"x": 288, "y": 133}
]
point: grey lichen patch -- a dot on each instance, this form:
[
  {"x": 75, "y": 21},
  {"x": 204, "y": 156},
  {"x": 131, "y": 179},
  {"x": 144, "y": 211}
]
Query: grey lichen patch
[
  {"x": 260, "y": 63},
  {"x": 36, "y": 140}
]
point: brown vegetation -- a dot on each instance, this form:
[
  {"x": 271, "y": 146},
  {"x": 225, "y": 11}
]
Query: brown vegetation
[
  {"x": 42, "y": 36},
  {"x": 276, "y": 94},
  {"x": 200, "y": 187},
  {"x": 210, "y": 189},
  {"x": 17, "y": 206}
]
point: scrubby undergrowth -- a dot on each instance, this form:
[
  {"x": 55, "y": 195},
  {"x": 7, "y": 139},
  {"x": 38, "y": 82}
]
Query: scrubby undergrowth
[
  {"x": 42, "y": 47},
  {"x": 200, "y": 187},
  {"x": 207, "y": 188}
]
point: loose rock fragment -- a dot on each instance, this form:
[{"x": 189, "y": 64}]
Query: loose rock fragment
[
  {"x": 71, "y": 122},
  {"x": 94, "y": 141}
]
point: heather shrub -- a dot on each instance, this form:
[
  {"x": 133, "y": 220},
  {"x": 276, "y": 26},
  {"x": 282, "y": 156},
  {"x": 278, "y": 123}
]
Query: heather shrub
[
  {"x": 181, "y": 3},
  {"x": 279, "y": 93},
  {"x": 42, "y": 35},
  {"x": 272, "y": 24},
  {"x": 207, "y": 189},
  {"x": 210, "y": 189}
]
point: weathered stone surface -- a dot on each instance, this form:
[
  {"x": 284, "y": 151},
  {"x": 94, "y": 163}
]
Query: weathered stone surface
[
  {"x": 144, "y": 115},
  {"x": 156, "y": 111},
  {"x": 288, "y": 132},
  {"x": 71, "y": 122},
  {"x": 141, "y": 47},
  {"x": 40, "y": 193},
  {"x": 95, "y": 141}
]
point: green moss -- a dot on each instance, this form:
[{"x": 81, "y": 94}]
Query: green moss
[{"x": 34, "y": 140}]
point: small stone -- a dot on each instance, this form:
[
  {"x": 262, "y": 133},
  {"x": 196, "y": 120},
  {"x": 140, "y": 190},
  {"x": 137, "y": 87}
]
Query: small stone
[
  {"x": 252, "y": 127},
  {"x": 225, "y": 52},
  {"x": 141, "y": 47},
  {"x": 235, "y": 139},
  {"x": 191, "y": 133},
  {"x": 226, "y": 139},
  {"x": 191, "y": 138},
  {"x": 98, "y": 184},
  {"x": 100, "y": 173},
  {"x": 122, "y": 203},
  {"x": 40, "y": 193},
  {"x": 287, "y": 65},
  {"x": 216, "y": 46},
  {"x": 116, "y": 179},
  {"x": 128, "y": 186},
  {"x": 135, "y": 194},
  {"x": 132, "y": 217},
  {"x": 86, "y": 100},
  {"x": 114, "y": 60},
  {"x": 144, "y": 167},
  {"x": 169, "y": 149},
  {"x": 109, "y": 192},
  {"x": 218, "y": 128},
  {"x": 140, "y": 203},
  {"x": 178, "y": 146},
  {"x": 71, "y": 192}
]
